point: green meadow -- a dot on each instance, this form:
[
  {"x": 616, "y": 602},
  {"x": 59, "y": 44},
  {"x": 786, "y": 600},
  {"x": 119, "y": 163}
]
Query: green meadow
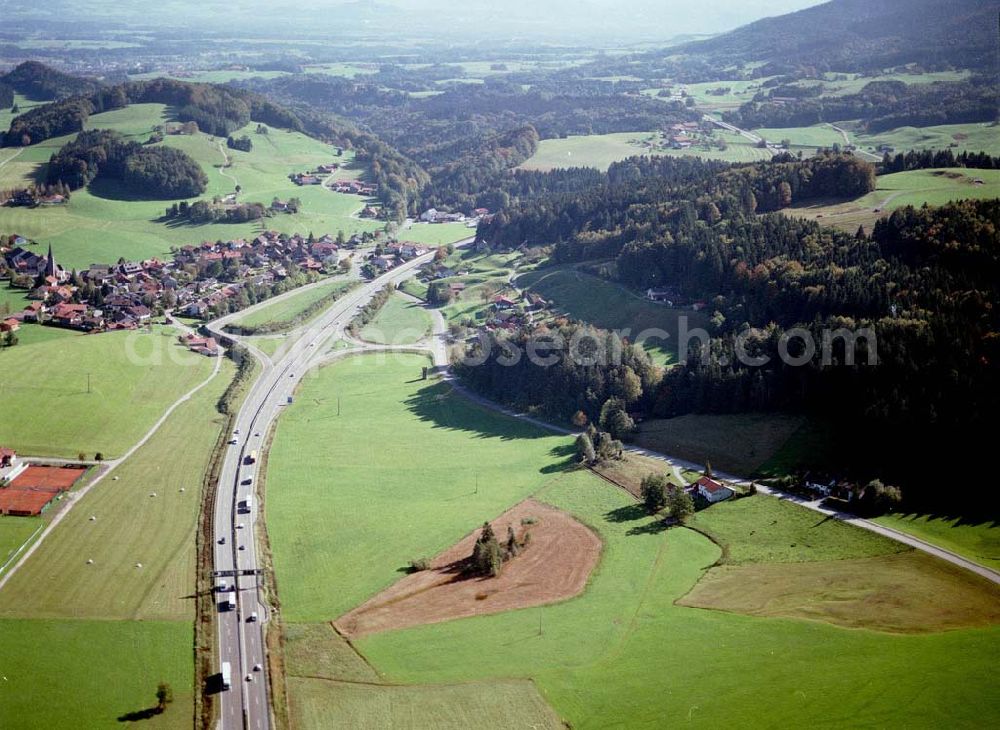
[
  {"x": 286, "y": 310},
  {"x": 977, "y": 540},
  {"x": 14, "y": 532},
  {"x": 74, "y": 393},
  {"x": 400, "y": 322},
  {"x": 820, "y": 135},
  {"x": 104, "y": 222},
  {"x": 130, "y": 527},
  {"x": 958, "y": 137},
  {"x": 600, "y": 150},
  {"x": 93, "y": 674},
  {"x": 915, "y": 187},
  {"x": 386, "y": 480},
  {"x": 625, "y": 655}
]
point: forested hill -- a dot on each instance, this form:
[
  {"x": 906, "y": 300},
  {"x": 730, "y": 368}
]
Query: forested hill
[
  {"x": 924, "y": 282},
  {"x": 865, "y": 35},
  {"x": 42, "y": 83}
]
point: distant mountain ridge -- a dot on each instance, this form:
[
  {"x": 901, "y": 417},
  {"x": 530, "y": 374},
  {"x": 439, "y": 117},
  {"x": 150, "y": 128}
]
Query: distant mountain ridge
[{"x": 865, "y": 35}]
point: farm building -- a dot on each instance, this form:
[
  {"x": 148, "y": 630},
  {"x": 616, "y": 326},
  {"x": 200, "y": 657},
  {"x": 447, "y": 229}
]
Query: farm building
[{"x": 711, "y": 490}]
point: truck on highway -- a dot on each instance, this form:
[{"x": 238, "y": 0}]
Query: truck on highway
[
  {"x": 251, "y": 458},
  {"x": 246, "y": 505},
  {"x": 230, "y": 603},
  {"x": 227, "y": 675}
]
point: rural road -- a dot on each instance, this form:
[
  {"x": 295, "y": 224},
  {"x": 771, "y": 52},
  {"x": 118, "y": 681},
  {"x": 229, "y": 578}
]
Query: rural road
[{"x": 241, "y": 631}]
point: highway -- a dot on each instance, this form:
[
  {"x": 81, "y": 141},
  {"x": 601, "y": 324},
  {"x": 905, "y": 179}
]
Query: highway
[{"x": 241, "y": 631}]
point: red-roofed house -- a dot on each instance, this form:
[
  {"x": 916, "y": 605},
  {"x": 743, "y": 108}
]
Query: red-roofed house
[{"x": 711, "y": 490}]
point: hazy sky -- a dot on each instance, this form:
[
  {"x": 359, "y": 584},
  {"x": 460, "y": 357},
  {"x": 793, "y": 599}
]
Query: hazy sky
[{"x": 567, "y": 20}]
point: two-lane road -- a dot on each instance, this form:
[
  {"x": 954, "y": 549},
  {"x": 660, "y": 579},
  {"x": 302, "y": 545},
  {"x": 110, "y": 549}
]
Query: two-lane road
[{"x": 241, "y": 631}]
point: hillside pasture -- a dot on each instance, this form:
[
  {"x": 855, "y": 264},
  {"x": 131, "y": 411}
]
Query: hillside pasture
[
  {"x": 737, "y": 443},
  {"x": 609, "y": 305},
  {"x": 98, "y": 393},
  {"x": 105, "y": 221},
  {"x": 915, "y": 187},
  {"x": 975, "y": 137}
]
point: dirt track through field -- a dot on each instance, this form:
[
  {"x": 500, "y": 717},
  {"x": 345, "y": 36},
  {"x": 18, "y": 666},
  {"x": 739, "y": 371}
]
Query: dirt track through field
[{"x": 556, "y": 565}]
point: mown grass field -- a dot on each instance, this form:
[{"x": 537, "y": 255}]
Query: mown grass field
[
  {"x": 916, "y": 187},
  {"x": 400, "y": 322},
  {"x": 612, "y": 306},
  {"x": 14, "y": 531},
  {"x": 497, "y": 704},
  {"x": 133, "y": 377},
  {"x": 102, "y": 223},
  {"x": 625, "y": 655},
  {"x": 600, "y": 150},
  {"x": 373, "y": 485},
  {"x": 286, "y": 310},
  {"x": 771, "y": 530},
  {"x": 88, "y": 674},
  {"x": 130, "y": 527},
  {"x": 331, "y": 685},
  {"x": 885, "y": 593},
  {"x": 977, "y": 540}
]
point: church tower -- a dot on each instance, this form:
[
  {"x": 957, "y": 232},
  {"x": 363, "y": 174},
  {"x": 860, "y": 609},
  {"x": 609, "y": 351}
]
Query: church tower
[{"x": 50, "y": 264}]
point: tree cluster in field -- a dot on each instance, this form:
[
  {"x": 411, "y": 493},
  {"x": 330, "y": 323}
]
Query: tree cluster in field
[
  {"x": 33, "y": 193},
  {"x": 371, "y": 309},
  {"x": 659, "y": 493},
  {"x": 489, "y": 554},
  {"x": 243, "y": 144},
  {"x": 924, "y": 282},
  {"x": 594, "y": 446},
  {"x": 205, "y": 211},
  {"x": 880, "y": 105},
  {"x": 930, "y": 159},
  {"x": 152, "y": 172}
]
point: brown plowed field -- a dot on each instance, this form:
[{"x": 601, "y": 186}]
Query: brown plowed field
[{"x": 554, "y": 567}]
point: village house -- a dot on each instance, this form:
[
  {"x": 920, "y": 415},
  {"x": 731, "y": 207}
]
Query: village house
[{"x": 711, "y": 491}]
